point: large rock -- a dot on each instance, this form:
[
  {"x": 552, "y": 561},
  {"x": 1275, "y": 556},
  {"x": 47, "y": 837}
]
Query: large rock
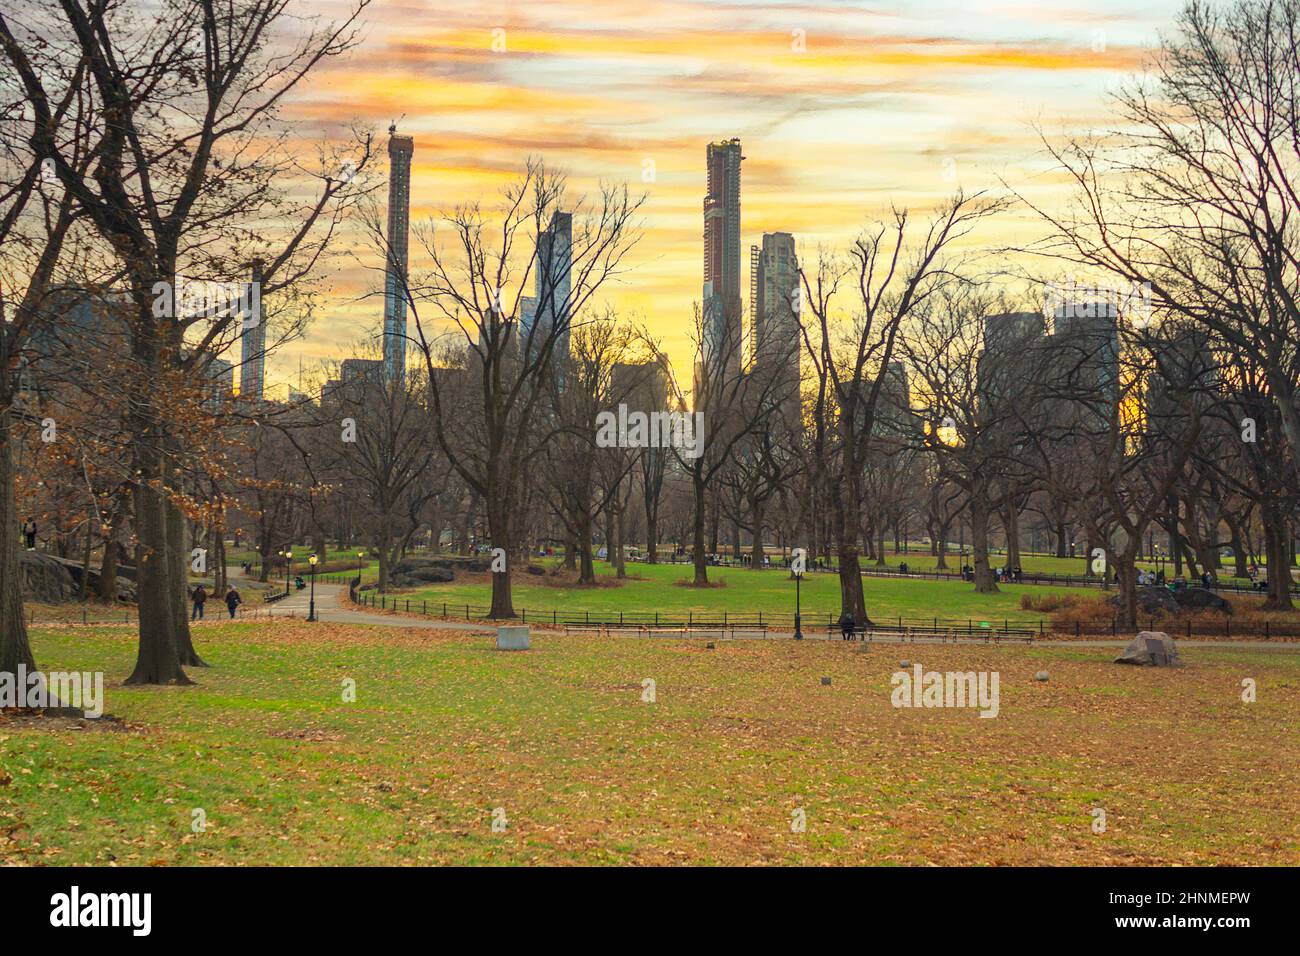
[
  {"x": 427, "y": 574},
  {"x": 46, "y": 579},
  {"x": 49, "y": 579},
  {"x": 1139, "y": 650},
  {"x": 1151, "y": 600},
  {"x": 1199, "y": 598}
]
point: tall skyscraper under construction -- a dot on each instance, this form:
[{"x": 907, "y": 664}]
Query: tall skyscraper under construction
[
  {"x": 722, "y": 305},
  {"x": 400, "y": 150}
]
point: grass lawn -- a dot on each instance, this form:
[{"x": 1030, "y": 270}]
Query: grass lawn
[
  {"x": 445, "y": 730},
  {"x": 652, "y": 587}
]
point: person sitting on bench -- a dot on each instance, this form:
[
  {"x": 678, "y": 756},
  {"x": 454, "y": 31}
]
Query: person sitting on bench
[{"x": 846, "y": 625}]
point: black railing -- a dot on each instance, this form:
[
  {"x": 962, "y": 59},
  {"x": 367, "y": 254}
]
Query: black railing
[{"x": 1041, "y": 627}]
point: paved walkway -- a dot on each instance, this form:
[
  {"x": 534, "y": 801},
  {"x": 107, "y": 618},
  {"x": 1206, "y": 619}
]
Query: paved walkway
[{"x": 332, "y": 605}]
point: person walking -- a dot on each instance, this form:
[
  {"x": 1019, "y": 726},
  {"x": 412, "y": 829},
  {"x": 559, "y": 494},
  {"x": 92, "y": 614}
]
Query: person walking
[
  {"x": 200, "y": 597},
  {"x": 233, "y": 600},
  {"x": 29, "y": 533}
]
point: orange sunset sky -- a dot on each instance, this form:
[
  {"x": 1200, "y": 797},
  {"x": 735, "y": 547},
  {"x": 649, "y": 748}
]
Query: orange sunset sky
[{"x": 844, "y": 108}]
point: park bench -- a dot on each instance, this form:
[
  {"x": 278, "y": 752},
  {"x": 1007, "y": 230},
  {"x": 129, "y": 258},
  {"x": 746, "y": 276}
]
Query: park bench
[{"x": 893, "y": 634}]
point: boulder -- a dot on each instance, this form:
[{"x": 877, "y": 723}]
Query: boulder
[
  {"x": 1151, "y": 600},
  {"x": 46, "y": 579},
  {"x": 536, "y": 569},
  {"x": 1139, "y": 650},
  {"x": 1200, "y": 598},
  {"x": 428, "y": 574}
]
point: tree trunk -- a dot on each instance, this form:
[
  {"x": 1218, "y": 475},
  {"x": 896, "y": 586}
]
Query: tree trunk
[
  {"x": 1127, "y": 564},
  {"x": 1011, "y": 524},
  {"x": 499, "y": 529},
  {"x": 651, "y": 535},
  {"x": 1238, "y": 551},
  {"x": 179, "y": 561},
  {"x": 587, "y": 573},
  {"x": 157, "y": 660},
  {"x": 620, "y": 532},
  {"x": 1278, "y": 556},
  {"x": 385, "y": 550},
  {"x": 1062, "y": 550},
  {"x": 756, "y": 545},
  {"x": 979, "y": 540},
  {"x": 701, "y": 563},
  {"x": 14, "y": 647},
  {"x": 941, "y": 549},
  {"x": 846, "y": 520}
]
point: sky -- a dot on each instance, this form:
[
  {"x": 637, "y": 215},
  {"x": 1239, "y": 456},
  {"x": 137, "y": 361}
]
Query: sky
[{"x": 843, "y": 109}]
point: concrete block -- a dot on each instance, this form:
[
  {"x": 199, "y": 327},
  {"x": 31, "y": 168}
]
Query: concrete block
[{"x": 512, "y": 637}]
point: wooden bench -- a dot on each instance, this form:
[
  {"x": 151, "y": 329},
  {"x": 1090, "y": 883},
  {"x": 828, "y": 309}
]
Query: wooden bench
[{"x": 891, "y": 633}]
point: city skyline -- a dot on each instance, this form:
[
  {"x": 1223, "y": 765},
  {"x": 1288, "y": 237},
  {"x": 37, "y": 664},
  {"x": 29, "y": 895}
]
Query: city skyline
[{"x": 841, "y": 111}]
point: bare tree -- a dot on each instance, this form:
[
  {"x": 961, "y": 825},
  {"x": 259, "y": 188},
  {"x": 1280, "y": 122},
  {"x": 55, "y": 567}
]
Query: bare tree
[
  {"x": 850, "y": 349},
  {"x": 184, "y": 183},
  {"x": 470, "y": 298}
]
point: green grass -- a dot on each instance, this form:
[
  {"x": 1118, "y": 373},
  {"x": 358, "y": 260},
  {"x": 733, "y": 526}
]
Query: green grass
[
  {"x": 652, "y": 587},
  {"x": 445, "y": 729}
]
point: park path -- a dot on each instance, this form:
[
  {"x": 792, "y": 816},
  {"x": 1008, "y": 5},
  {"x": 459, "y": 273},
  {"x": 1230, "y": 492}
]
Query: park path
[{"x": 332, "y": 606}]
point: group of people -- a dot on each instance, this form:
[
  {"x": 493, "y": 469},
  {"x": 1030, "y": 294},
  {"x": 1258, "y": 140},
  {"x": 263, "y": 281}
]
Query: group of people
[
  {"x": 199, "y": 597},
  {"x": 1003, "y": 575}
]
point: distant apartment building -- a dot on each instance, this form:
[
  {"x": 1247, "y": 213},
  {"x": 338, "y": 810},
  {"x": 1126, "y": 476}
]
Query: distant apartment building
[
  {"x": 1012, "y": 342},
  {"x": 775, "y": 338},
  {"x": 220, "y": 375},
  {"x": 400, "y": 151},
  {"x": 547, "y": 312},
  {"x": 1085, "y": 343}
]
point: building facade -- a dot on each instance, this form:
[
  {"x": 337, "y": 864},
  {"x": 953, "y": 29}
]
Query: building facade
[{"x": 400, "y": 151}]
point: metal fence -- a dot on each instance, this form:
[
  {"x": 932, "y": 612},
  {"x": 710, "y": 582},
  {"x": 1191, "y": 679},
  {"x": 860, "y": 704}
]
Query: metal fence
[{"x": 968, "y": 626}]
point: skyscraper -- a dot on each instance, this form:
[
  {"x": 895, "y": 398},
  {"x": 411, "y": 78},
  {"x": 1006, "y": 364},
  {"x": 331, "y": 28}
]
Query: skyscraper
[
  {"x": 1086, "y": 335},
  {"x": 548, "y": 309},
  {"x": 775, "y": 339},
  {"x": 722, "y": 297},
  {"x": 1005, "y": 369},
  {"x": 774, "y": 300},
  {"x": 400, "y": 150},
  {"x": 252, "y": 361}
]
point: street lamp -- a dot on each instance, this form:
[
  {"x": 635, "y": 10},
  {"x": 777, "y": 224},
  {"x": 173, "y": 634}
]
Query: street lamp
[
  {"x": 360, "y": 555},
  {"x": 311, "y": 608},
  {"x": 798, "y": 577},
  {"x": 288, "y": 570}
]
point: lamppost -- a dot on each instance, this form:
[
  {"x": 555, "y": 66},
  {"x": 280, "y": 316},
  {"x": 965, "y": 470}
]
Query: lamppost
[
  {"x": 288, "y": 570},
  {"x": 360, "y": 555},
  {"x": 311, "y": 607},
  {"x": 798, "y": 578}
]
